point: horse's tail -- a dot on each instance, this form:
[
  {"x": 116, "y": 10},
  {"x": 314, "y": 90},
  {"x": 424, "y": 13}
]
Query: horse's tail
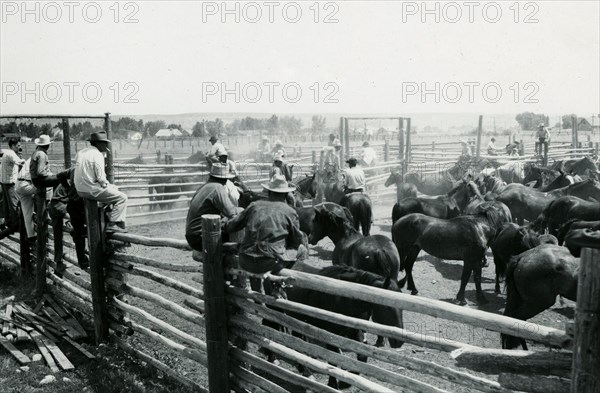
[
  {"x": 387, "y": 262},
  {"x": 510, "y": 279},
  {"x": 366, "y": 216},
  {"x": 564, "y": 228}
]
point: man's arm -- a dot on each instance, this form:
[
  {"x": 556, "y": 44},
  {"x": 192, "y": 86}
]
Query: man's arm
[
  {"x": 239, "y": 222},
  {"x": 99, "y": 172},
  {"x": 222, "y": 202},
  {"x": 295, "y": 236}
]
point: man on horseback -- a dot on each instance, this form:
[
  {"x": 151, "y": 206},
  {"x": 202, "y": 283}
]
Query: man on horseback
[
  {"x": 273, "y": 239},
  {"x": 354, "y": 177},
  {"x": 211, "y": 198}
]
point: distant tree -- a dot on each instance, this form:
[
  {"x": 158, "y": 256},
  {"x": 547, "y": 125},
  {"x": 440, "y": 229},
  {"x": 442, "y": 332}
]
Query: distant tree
[
  {"x": 152, "y": 127},
  {"x": 82, "y": 131},
  {"x": 529, "y": 120},
  {"x": 318, "y": 124},
  {"x": 198, "y": 130},
  {"x": 215, "y": 128},
  {"x": 272, "y": 124},
  {"x": 290, "y": 124},
  {"x": 566, "y": 120},
  {"x": 174, "y": 126}
]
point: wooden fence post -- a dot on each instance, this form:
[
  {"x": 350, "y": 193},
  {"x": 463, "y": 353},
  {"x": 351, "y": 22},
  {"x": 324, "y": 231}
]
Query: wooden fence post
[
  {"x": 41, "y": 242},
  {"x": 94, "y": 219},
  {"x": 408, "y": 144},
  {"x": 341, "y": 137},
  {"x": 110, "y": 174},
  {"x": 400, "y": 138},
  {"x": 586, "y": 347},
  {"x": 24, "y": 249},
  {"x": 386, "y": 151},
  {"x": 479, "y": 131},
  {"x": 215, "y": 306},
  {"x": 574, "y": 131},
  {"x": 346, "y": 142},
  {"x": 67, "y": 143},
  {"x": 314, "y": 156}
]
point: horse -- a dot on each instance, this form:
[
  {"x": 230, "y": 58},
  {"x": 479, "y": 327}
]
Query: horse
[
  {"x": 542, "y": 176},
  {"x": 489, "y": 186},
  {"x": 512, "y": 172},
  {"x": 375, "y": 253},
  {"x": 562, "y": 180},
  {"x": 384, "y": 315},
  {"x": 430, "y": 184},
  {"x": 444, "y": 206},
  {"x": 527, "y": 203},
  {"x": 582, "y": 166},
  {"x": 575, "y": 224},
  {"x": 562, "y": 209},
  {"x": 405, "y": 190},
  {"x": 513, "y": 240},
  {"x": 463, "y": 238},
  {"x": 359, "y": 204},
  {"x": 533, "y": 280}
]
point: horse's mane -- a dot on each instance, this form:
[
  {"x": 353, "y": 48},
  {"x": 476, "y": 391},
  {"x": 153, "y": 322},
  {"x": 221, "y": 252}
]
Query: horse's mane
[
  {"x": 564, "y": 228},
  {"x": 303, "y": 185},
  {"x": 489, "y": 212},
  {"x": 347, "y": 273}
]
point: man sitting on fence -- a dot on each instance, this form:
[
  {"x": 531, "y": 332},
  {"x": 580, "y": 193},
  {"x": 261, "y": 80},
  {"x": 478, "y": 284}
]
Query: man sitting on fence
[
  {"x": 67, "y": 204},
  {"x": 492, "y": 150},
  {"x": 232, "y": 190},
  {"x": 10, "y": 162},
  {"x": 369, "y": 157},
  {"x": 543, "y": 138},
  {"x": 263, "y": 149},
  {"x": 41, "y": 176},
  {"x": 211, "y": 198},
  {"x": 91, "y": 183},
  {"x": 211, "y": 155},
  {"x": 273, "y": 239}
]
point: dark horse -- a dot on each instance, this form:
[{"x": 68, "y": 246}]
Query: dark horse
[
  {"x": 376, "y": 253},
  {"x": 513, "y": 240},
  {"x": 565, "y": 208},
  {"x": 582, "y": 166},
  {"x": 444, "y": 206},
  {"x": 359, "y": 204},
  {"x": 304, "y": 190},
  {"x": 463, "y": 238},
  {"x": 384, "y": 315},
  {"x": 575, "y": 224},
  {"x": 527, "y": 203},
  {"x": 431, "y": 183},
  {"x": 533, "y": 280},
  {"x": 404, "y": 190}
]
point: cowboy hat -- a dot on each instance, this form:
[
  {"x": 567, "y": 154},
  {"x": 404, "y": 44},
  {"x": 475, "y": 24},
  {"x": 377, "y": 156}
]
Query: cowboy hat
[
  {"x": 278, "y": 184},
  {"x": 463, "y": 141},
  {"x": 99, "y": 137},
  {"x": 43, "y": 140},
  {"x": 278, "y": 143},
  {"x": 541, "y": 124},
  {"x": 366, "y": 144},
  {"x": 213, "y": 138},
  {"x": 221, "y": 171},
  {"x": 278, "y": 157},
  {"x": 352, "y": 160},
  {"x": 265, "y": 138}
]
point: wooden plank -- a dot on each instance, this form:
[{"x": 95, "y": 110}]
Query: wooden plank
[
  {"x": 22, "y": 335},
  {"x": 37, "y": 339},
  {"x": 79, "y": 348},
  {"x": 20, "y": 356},
  {"x": 534, "y": 383},
  {"x": 57, "y": 307},
  {"x": 38, "y": 306},
  {"x": 60, "y": 357},
  {"x": 64, "y": 326}
]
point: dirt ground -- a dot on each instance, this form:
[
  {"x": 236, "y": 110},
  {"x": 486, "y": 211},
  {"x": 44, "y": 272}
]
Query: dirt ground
[{"x": 435, "y": 279}]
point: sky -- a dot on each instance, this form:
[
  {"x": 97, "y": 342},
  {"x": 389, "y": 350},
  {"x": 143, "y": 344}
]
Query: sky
[{"x": 158, "y": 57}]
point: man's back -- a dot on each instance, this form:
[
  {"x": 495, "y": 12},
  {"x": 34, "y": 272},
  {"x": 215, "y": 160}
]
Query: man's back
[
  {"x": 89, "y": 169},
  {"x": 355, "y": 178}
]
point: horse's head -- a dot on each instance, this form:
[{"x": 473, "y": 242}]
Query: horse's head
[
  {"x": 395, "y": 177},
  {"x": 330, "y": 220},
  {"x": 586, "y": 163},
  {"x": 390, "y": 316}
]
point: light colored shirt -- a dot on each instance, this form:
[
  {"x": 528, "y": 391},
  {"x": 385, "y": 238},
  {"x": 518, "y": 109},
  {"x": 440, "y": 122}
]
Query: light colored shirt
[
  {"x": 492, "y": 146},
  {"x": 543, "y": 133},
  {"x": 354, "y": 178},
  {"x": 89, "y": 171},
  {"x": 24, "y": 173},
  {"x": 7, "y": 173},
  {"x": 212, "y": 152},
  {"x": 369, "y": 156}
]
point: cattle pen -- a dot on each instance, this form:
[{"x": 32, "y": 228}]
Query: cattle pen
[{"x": 198, "y": 305}]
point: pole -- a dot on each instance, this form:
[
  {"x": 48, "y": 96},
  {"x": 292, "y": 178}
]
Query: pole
[
  {"x": 342, "y": 125},
  {"x": 110, "y": 174},
  {"x": 408, "y": 147},
  {"x": 41, "y": 242},
  {"x": 479, "y": 131},
  {"x": 95, "y": 219},
  {"x": 586, "y": 348},
  {"x": 346, "y": 139},
  {"x": 215, "y": 312},
  {"x": 401, "y": 144},
  {"x": 573, "y": 131},
  {"x": 67, "y": 143}
]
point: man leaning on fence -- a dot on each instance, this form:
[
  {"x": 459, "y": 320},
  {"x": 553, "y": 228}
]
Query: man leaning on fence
[
  {"x": 273, "y": 239},
  {"x": 8, "y": 177},
  {"x": 91, "y": 183},
  {"x": 211, "y": 198}
]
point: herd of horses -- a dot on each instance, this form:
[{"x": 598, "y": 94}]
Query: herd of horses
[{"x": 456, "y": 214}]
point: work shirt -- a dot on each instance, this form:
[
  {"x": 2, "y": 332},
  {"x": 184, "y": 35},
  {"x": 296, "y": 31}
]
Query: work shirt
[
  {"x": 271, "y": 229},
  {"x": 543, "y": 133},
  {"x": 211, "y": 198},
  {"x": 24, "y": 173},
  {"x": 284, "y": 171},
  {"x": 354, "y": 178},
  {"x": 89, "y": 173},
  {"x": 212, "y": 151},
  {"x": 264, "y": 147},
  {"x": 38, "y": 167},
  {"x": 491, "y": 148},
  {"x": 7, "y": 173},
  {"x": 369, "y": 156}
]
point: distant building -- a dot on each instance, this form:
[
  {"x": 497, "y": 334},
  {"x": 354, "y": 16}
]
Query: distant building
[
  {"x": 168, "y": 133},
  {"x": 586, "y": 124}
]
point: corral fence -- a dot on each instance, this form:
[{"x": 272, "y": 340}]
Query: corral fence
[{"x": 193, "y": 314}]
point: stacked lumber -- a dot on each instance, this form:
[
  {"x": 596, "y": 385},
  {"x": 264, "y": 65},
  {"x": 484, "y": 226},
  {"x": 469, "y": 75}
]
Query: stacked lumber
[{"x": 43, "y": 326}]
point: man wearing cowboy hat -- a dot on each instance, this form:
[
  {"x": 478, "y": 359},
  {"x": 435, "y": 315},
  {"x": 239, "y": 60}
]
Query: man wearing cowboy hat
[
  {"x": 91, "y": 183},
  {"x": 278, "y": 149},
  {"x": 280, "y": 167},
  {"x": 263, "y": 149},
  {"x": 8, "y": 171},
  {"x": 211, "y": 155},
  {"x": 543, "y": 138},
  {"x": 41, "y": 176},
  {"x": 492, "y": 150},
  {"x": 232, "y": 190},
  {"x": 354, "y": 177},
  {"x": 369, "y": 157},
  {"x": 273, "y": 239},
  {"x": 211, "y": 198}
]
